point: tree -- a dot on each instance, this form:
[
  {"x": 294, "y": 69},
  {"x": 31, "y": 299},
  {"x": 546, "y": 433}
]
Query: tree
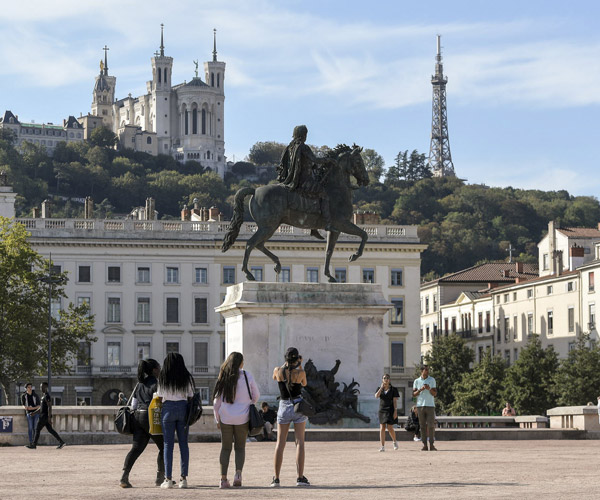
[
  {"x": 479, "y": 392},
  {"x": 24, "y": 313},
  {"x": 374, "y": 163},
  {"x": 529, "y": 381},
  {"x": 576, "y": 380},
  {"x": 408, "y": 168},
  {"x": 103, "y": 137},
  {"x": 266, "y": 153},
  {"x": 449, "y": 359}
]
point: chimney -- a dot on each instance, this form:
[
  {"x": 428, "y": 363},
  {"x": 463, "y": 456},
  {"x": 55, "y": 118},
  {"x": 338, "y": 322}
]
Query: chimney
[
  {"x": 505, "y": 273},
  {"x": 149, "y": 208},
  {"x": 576, "y": 256},
  {"x": 35, "y": 213},
  {"x": 552, "y": 245},
  {"x": 559, "y": 262},
  {"x": 46, "y": 209},
  {"x": 519, "y": 267},
  {"x": 185, "y": 213},
  {"x": 213, "y": 213},
  {"x": 88, "y": 208},
  {"x": 204, "y": 214}
]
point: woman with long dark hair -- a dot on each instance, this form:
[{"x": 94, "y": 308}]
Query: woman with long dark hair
[
  {"x": 290, "y": 377},
  {"x": 388, "y": 412},
  {"x": 148, "y": 370},
  {"x": 235, "y": 391},
  {"x": 175, "y": 388}
]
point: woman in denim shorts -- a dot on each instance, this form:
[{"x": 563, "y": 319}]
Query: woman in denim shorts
[{"x": 290, "y": 377}]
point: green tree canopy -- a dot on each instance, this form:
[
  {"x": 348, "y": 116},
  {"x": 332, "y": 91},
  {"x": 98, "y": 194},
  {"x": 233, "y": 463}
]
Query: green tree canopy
[
  {"x": 529, "y": 383},
  {"x": 24, "y": 312},
  {"x": 374, "y": 163},
  {"x": 266, "y": 153},
  {"x": 577, "y": 379},
  {"x": 103, "y": 137},
  {"x": 449, "y": 360}
]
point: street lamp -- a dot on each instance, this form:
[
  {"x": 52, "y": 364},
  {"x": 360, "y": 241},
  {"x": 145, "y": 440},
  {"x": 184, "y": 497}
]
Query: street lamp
[{"x": 50, "y": 280}]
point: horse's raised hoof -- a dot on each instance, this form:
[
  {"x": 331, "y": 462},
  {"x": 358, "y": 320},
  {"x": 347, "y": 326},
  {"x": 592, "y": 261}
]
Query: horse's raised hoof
[
  {"x": 332, "y": 279},
  {"x": 250, "y": 277},
  {"x": 277, "y": 268},
  {"x": 353, "y": 257},
  {"x": 316, "y": 234}
]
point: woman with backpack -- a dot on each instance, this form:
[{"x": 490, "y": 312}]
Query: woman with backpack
[
  {"x": 148, "y": 370},
  {"x": 175, "y": 388},
  {"x": 235, "y": 391}
]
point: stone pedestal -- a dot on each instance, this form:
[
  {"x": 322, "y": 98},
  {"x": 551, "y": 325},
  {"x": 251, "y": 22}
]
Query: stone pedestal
[{"x": 324, "y": 322}]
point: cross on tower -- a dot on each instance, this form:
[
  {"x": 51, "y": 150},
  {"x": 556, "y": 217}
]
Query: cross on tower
[
  {"x": 105, "y": 49},
  {"x": 510, "y": 252}
]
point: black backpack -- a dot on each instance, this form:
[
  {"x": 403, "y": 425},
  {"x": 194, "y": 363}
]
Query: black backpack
[{"x": 194, "y": 409}]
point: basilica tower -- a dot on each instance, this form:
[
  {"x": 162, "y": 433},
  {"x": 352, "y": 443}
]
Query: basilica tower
[
  {"x": 160, "y": 114},
  {"x": 104, "y": 93},
  {"x": 215, "y": 78}
]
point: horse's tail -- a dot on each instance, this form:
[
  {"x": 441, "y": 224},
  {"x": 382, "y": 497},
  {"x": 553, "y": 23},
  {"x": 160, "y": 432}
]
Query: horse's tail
[{"x": 237, "y": 219}]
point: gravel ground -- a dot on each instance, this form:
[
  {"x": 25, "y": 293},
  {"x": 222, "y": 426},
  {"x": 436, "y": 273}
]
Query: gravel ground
[{"x": 337, "y": 470}]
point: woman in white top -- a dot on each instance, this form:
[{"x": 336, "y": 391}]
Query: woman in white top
[
  {"x": 175, "y": 388},
  {"x": 233, "y": 398}
]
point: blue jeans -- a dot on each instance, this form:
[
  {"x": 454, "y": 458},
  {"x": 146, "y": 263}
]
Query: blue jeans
[
  {"x": 32, "y": 421},
  {"x": 173, "y": 419}
]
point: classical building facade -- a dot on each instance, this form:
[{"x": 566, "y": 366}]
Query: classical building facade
[
  {"x": 46, "y": 135},
  {"x": 152, "y": 287},
  {"x": 184, "y": 120}
]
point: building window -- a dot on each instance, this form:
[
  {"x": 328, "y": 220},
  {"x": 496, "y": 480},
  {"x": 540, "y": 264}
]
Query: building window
[
  {"x": 143, "y": 309},
  {"x": 148, "y": 140},
  {"x": 505, "y": 298},
  {"x": 113, "y": 353},
  {"x": 312, "y": 275},
  {"x": 529, "y": 323},
  {"x": 550, "y": 316},
  {"x": 516, "y": 355},
  {"x": 592, "y": 316},
  {"x": 435, "y": 304},
  {"x": 228, "y": 275},
  {"x": 453, "y": 324},
  {"x": 549, "y": 290},
  {"x": 397, "y": 311},
  {"x": 397, "y": 352},
  {"x": 114, "y": 274},
  {"x": 545, "y": 262},
  {"x": 143, "y": 350},
  {"x": 172, "y": 275},
  {"x": 204, "y": 394},
  {"x": 506, "y": 329},
  {"x": 530, "y": 293},
  {"x": 445, "y": 326},
  {"x": 200, "y": 310},
  {"x": 284, "y": 275},
  {"x": 498, "y": 332},
  {"x": 194, "y": 121},
  {"x": 84, "y": 274},
  {"x": 172, "y": 310},
  {"x": 591, "y": 282},
  {"x": 514, "y": 296},
  {"x": 507, "y": 356},
  {"x": 368, "y": 275},
  {"x": 571, "y": 319},
  {"x": 396, "y": 277},
  {"x": 488, "y": 322},
  {"x": 84, "y": 354},
  {"x": 427, "y": 334},
  {"x": 143, "y": 274},
  {"x": 480, "y": 322},
  {"x": 427, "y": 305},
  {"x": 200, "y": 357},
  {"x": 201, "y": 275},
  {"x": 480, "y": 353},
  {"x": 113, "y": 310},
  {"x": 257, "y": 272},
  {"x": 172, "y": 346},
  {"x": 515, "y": 327},
  {"x": 571, "y": 346},
  {"x": 340, "y": 275},
  {"x": 204, "y": 121},
  {"x": 570, "y": 286},
  {"x": 498, "y": 299},
  {"x": 85, "y": 300}
]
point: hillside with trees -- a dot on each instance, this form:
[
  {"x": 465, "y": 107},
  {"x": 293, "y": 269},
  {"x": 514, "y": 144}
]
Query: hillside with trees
[{"x": 461, "y": 223}]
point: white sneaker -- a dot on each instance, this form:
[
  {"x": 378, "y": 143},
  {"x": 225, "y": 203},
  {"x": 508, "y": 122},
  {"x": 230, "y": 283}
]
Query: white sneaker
[
  {"x": 416, "y": 439},
  {"x": 382, "y": 448},
  {"x": 395, "y": 445},
  {"x": 183, "y": 483},
  {"x": 167, "y": 484}
]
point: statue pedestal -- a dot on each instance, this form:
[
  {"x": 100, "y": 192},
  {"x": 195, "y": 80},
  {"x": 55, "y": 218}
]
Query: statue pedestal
[{"x": 324, "y": 321}]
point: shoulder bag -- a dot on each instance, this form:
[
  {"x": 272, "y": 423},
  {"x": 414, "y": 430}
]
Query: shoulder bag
[
  {"x": 194, "y": 409},
  {"x": 255, "y": 420},
  {"x": 124, "y": 417},
  {"x": 303, "y": 407}
]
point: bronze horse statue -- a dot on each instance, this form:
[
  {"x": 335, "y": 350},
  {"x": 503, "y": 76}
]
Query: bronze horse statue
[{"x": 274, "y": 204}]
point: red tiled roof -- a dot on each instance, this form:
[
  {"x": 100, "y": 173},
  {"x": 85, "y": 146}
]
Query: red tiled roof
[
  {"x": 580, "y": 232},
  {"x": 493, "y": 272},
  {"x": 539, "y": 279}
]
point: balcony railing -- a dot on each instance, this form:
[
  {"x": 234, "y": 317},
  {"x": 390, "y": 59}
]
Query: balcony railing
[
  {"x": 205, "y": 370},
  {"x": 115, "y": 369},
  {"x": 83, "y": 370},
  {"x": 395, "y": 370}
]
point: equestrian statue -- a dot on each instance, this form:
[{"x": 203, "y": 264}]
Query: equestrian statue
[{"x": 312, "y": 193}]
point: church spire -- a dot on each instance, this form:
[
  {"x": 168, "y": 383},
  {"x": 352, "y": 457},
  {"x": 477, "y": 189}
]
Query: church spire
[
  {"x": 215, "y": 44},
  {"x": 105, "y": 69},
  {"x": 162, "y": 43}
]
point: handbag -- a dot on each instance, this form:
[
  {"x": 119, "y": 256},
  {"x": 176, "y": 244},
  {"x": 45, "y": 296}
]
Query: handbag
[
  {"x": 124, "y": 417},
  {"x": 194, "y": 409},
  {"x": 256, "y": 423},
  {"x": 302, "y": 406}
]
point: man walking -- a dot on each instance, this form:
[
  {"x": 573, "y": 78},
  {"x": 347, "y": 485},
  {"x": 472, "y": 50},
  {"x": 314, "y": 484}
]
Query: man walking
[
  {"x": 45, "y": 420},
  {"x": 425, "y": 390},
  {"x": 31, "y": 402}
]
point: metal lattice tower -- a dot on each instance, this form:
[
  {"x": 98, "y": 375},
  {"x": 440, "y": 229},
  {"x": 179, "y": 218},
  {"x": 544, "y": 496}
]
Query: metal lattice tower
[{"x": 440, "y": 159}]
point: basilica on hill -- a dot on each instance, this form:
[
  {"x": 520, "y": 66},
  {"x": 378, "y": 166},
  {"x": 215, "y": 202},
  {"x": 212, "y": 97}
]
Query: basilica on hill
[{"x": 184, "y": 120}]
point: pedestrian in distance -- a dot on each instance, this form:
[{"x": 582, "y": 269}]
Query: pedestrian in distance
[
  {"x": 388, "y": 410},
  {"x": 45, "y": 419},
  {"x": 175, "y": 388},
  {"x": 412, "y": 424},
  {"x": 148, "y": 371},
  {"x": 269, "y": 416},
  {"x": 290, "y": 378},
  {"x": 235, "y": 391},
  {"x": 122, "y": 400},
  {"x": 31, "y": 402},
  {"x": 508, "y": 411},
  {"x": 425, "y": 390}
]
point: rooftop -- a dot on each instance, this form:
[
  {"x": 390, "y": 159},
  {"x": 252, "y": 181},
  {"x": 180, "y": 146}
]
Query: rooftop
[{"x": 492, "y": 272}]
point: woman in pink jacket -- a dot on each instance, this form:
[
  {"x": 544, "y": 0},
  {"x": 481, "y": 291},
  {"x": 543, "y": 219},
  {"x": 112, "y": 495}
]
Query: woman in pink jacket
[{"x": 235, "y": 391}]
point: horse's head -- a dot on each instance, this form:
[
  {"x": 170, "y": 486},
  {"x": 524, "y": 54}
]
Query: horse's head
[{"x": 358, "y": 169}]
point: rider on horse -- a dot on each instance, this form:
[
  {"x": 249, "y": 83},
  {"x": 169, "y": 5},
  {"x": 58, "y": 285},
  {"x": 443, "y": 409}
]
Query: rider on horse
[{"x": 301, "y": 171}]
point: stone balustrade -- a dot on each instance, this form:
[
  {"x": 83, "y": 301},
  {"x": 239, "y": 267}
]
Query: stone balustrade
[
  {"x": 532, "y": 422},
  {"x": 575, "y": 417}
]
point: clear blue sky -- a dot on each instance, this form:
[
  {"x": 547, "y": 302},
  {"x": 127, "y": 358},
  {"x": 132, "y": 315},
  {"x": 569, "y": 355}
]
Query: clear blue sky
[{"x": 523, "y": 77}]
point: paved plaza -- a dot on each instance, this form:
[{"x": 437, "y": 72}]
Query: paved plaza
[{"x": 337, "y": 470}]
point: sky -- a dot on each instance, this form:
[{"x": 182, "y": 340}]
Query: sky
[{"x": 522, "y": 92}]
